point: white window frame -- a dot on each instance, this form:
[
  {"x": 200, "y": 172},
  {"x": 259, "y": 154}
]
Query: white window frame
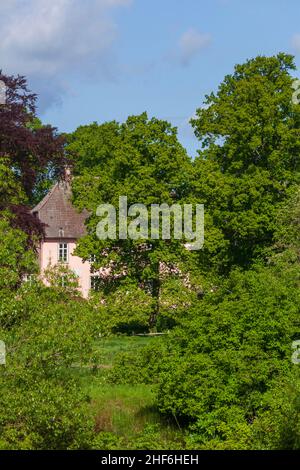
[
  {"x": 63, "y": 248},
  {"x": 63, "y": 281},
  {"x": 94, "y": 277}
]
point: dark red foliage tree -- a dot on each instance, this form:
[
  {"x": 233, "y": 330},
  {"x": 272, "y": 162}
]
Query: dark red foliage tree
[{"x": 30, "y": 148}]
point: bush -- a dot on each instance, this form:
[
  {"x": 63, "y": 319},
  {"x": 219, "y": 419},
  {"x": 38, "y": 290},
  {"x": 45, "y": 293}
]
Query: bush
[
  {"x": 218, "y": 369},
  {"x": 131, "y": 368},
  {"x": 41, "y": 403}
]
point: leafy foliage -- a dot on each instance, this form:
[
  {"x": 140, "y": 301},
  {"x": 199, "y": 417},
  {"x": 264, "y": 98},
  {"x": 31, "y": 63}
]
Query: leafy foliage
[
  {"x": 143, "y": 160},
  {"x": 222, "y": 370},
  {"x": 250, "y": 138},
  {"x": 41, "y": 404},
  {"x": 29, "y": 153}
]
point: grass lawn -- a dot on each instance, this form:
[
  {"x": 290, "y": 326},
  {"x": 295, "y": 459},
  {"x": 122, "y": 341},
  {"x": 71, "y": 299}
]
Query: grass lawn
[
  {"x": 108, "y": 348},
  {"x": 125, "y": 410}
]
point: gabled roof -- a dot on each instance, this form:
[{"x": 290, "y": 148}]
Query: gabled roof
[{"x": 60, "y": 217}]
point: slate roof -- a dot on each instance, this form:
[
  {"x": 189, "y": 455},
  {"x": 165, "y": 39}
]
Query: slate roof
[{"x": 60, "y": 217}]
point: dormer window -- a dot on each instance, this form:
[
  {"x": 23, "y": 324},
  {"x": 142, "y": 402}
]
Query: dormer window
[{"x": 63, "y": 252}]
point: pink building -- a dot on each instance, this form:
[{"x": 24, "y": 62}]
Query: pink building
[{"x": 64, "y": 225}]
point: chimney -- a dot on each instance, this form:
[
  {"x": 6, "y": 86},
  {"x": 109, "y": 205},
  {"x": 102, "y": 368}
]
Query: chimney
[{"x": 68, "y": 174}]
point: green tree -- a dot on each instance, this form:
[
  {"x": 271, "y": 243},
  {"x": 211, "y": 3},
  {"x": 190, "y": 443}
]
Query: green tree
[
  {"x": 142, "y": 160},
  {"x": 16, "y": 260},
  {"x": 221, "y": 365},
  {"x": 47, "y": 336},
  {"x": 250, "y": 136},
  {"x": 226, "y": 371}
]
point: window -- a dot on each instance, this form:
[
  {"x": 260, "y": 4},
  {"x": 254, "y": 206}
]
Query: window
[
  {"x": 63, "y": 252},
  {"x": 30, "y": 278},
  {"x": 93, "y": 259},
  {"x": 95, "y": 283}
]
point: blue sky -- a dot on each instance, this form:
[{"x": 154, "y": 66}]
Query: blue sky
[{"x": 98, "y": 60}]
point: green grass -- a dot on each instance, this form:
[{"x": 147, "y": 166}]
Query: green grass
[
  {"x": 108, "y": 348},
  {"x": 125, "y": 410}
]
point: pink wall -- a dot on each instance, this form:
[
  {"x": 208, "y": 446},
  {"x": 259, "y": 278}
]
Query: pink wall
[{"x": 49, "y": 256}]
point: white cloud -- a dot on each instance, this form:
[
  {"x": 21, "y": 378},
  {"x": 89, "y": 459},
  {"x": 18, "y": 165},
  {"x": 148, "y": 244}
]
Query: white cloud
[
  {"x": 296, "y": 42},
  {"x": 46, "y": 40},
  {"x": 191, "y": 43}
]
